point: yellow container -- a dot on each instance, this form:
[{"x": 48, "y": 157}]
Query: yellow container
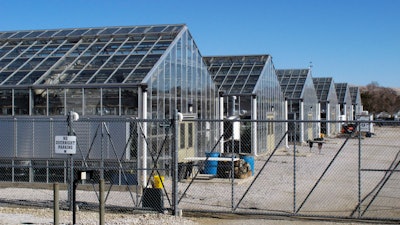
[{"x": 158, "y": 183}]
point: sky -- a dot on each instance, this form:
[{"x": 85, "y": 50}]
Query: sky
[{"x": 352, "y": 41}]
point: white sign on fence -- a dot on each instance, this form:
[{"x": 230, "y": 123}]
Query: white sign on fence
[
  {"x": 65, "y": 145},
  {"x": 367, "y": 126}
]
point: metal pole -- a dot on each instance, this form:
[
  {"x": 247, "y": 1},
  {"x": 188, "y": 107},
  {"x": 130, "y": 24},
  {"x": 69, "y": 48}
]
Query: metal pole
[
  {"x": 294, "y": 163},
  {"x": 71, "y": 183},
  {"x": 175, "y": 165},
  {"x": 56, "y": 204},
  {"x": 101, "y": 205},
  {"x": 232, "y": 183},
  {"x": 71, "y": 177},
  {"x": 75, "y": 184},
  {"x": 359, "y": 170}
]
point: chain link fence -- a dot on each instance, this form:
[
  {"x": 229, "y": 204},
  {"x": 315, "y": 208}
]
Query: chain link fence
[{"x": 210, "y": 166}]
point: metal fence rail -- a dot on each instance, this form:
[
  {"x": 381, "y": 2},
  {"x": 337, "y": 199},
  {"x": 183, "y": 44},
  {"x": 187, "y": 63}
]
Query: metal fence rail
[{"x": 209, "y": 165}]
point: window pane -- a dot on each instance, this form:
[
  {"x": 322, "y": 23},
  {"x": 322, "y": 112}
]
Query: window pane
[
  {"x": 190, "y": 135},
  {"x": 129, "y": 101},
  {"x": 92, "y": 102},
  {"x": 111, "y": 101},
  {"x": 39, "y": 102},
  {"x": 56, "y": 101},
  {"x": 6, "y": 102},
  {"x": 182, "y": 136},
  {"x": 74, "y": 100},
  {"x": 21, "y": 102}
]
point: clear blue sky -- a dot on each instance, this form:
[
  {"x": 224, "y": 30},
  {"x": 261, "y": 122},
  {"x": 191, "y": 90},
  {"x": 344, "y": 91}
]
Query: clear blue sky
[{"x": 353, "y": 41}]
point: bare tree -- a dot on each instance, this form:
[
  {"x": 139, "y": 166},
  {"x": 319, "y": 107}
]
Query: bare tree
[{"x": 378, "y": 99}]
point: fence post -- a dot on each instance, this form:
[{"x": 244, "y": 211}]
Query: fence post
[
  {"x": 294, "y": 139},
  {"x": 359, "y": 170},
  {"x": 101, "y": 204},
  {"x": 71, "y": 158},
  {"x": 175, "y": 164},
  {"x": 56, "y": 204}
]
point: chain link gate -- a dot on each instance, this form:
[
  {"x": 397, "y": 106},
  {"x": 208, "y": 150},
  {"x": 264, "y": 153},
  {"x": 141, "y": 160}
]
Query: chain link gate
[{"x": 338, "y": 176}]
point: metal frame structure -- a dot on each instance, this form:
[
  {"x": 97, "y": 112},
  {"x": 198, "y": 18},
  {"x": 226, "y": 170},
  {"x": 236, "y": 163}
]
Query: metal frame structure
[
  {"x": 249, "y": 90},
  {"x": 143, "y": 72},
  {"x": 302, "y": 102},
  {"x": 356, "y": 100},
  {"x": 345, "y": 102},
  {"x": 329, "y": 108}
]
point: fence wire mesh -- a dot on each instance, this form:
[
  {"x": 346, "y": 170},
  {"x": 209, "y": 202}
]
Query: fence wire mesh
[{"x": 305, "y": 168}]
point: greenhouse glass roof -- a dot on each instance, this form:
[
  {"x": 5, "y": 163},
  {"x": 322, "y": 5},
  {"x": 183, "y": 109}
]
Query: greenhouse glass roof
[
  {"x": 292, "y": 82},
  {"x": 322, "y": 87},
  {"x": 355, "y": 95},
  {"x": 105, "y": 55},
  {"x": 236, "y": 74},
  {"x": 341, "y": 91}
]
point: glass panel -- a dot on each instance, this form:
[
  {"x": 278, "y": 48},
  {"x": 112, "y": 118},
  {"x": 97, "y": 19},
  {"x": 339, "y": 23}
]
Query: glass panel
[
  {"x": 16, "y": 78},
  {"x": 119, "y": 76},
  {"x": 74, "y": 100},
  {"x": 6, "y": 35},
  {"x": 21, "y": 34},
  {"x": 172, "y": 28},
  {"x": 157, "y": 29},
  {"x": 190, "y": 135},
  {"x": 6, "y": 102},
  {"x": 115, "y": 61},
  {"x": 47, "y": 64},
  {"x": 129, "y": 101},
  {"x": 140, "y": 30},
  {"x": 4, "y": 75},
  {"x": 21, "y": 102},
  {"x": 111, "y": 101},
  {"x": 77, "y": 33},
  {"x": 4, "y": 51},
  {"x": 109, "y": 30},
  {"x": 39, "y": 102},
  {"x": 34, "y": 34},
  {"x": 124, "y": 30},
  {"x": 98, "y": 62},
  {"x": 48, "y": 33},
  {"x": 93, "y": 31},
  {"x": 15, "y": 64},
  {"x": 83, "y": 77},
  {"x": 182, "y": 136},
  {"x": 56, "y": 101},
  {"x": 92, "y": 102},
  {"x": 132, "y": 61},
  {"x": 63, "y": 33},
  {"x": 76, "y": 52},
  {"x": 31, "y": 64},
  {"x": 101, "y": 76}
]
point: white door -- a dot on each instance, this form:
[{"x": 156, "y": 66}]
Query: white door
[
  {"x": 270, "y": 133},
  {"x": 185, "y": 140},
  {"x": 310, "y": 128}
]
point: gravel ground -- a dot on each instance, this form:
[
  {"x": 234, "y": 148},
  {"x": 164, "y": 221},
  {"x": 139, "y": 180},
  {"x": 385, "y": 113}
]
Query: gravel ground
[
  {"x": 12, "y": 216},
  {"x": 45, "y": 216}
]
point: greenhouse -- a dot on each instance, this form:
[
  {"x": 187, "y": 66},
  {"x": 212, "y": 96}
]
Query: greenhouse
[
  {"x": 356, "y": 100},
  {"x": 344, "y": 100},
  {"x": 302, "y": 103},
  {"x": 329, "y": 108},
  {"x": 101, "y": 71},
  {"x": 250, "y": 90},
  {"x": 131, "y": 72}
]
